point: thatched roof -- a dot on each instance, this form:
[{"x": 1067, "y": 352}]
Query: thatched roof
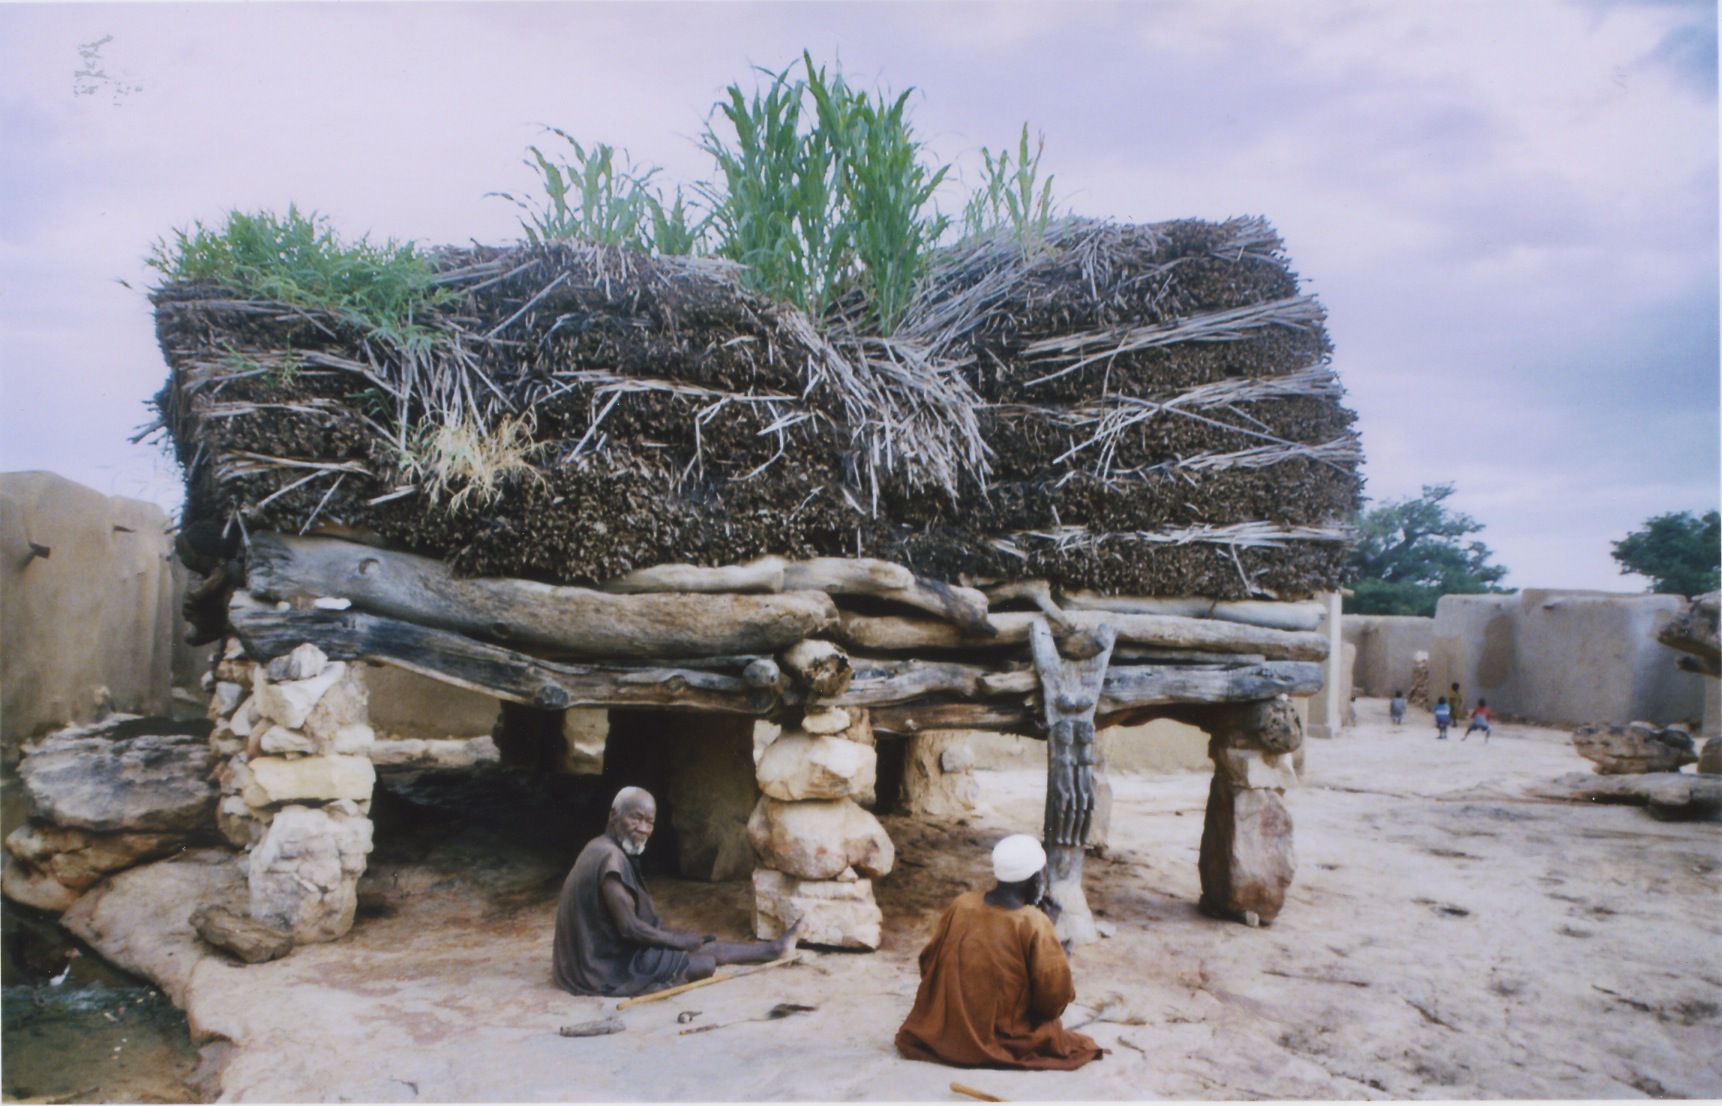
[{"x": 1143, "y": 410}]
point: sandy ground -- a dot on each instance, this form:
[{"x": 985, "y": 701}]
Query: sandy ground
[{"x": 1447, "y": 937}]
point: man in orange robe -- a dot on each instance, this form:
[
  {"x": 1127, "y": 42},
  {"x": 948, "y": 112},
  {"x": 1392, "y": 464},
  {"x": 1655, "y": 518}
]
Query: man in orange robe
[{"x": 994, "y": 978}]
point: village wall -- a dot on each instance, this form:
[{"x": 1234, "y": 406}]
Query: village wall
[
  {"x": 1387, "y": 648},
  {"x": 1564, "y": 657},
  {"x": 93, "y": 624}
]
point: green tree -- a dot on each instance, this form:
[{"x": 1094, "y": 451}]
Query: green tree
[
  {"x": 1410, "y": 552},
  {"x": 1681, "y": 554}
]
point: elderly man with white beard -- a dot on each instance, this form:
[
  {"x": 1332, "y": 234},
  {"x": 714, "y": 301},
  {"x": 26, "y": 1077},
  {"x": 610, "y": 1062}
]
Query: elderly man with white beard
[{"x": 608, "y": 937}]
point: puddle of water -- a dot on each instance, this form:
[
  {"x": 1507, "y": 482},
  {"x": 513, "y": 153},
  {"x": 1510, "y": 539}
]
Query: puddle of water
[
  {"x": 96, "y": 1035},
  {"x": 94, "y": 1044}
]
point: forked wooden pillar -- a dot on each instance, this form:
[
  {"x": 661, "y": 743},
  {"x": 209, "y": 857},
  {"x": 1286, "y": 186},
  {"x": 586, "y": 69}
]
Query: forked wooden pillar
[{"x": 1070, "y": 692}]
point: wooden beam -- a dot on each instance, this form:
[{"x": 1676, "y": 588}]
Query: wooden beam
[
  {"x": 591, "y": 623},
  {"x": 1302, "y": 615},
  {"x": 490, "y": 669},
  {"x": 891, "y": 633},
  {"x": 965, "y": 607}
]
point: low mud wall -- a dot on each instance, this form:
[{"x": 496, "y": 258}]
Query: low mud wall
[
  {"x": 1387, "y": 648},
  {"x": 1564, "y": 657},
  {"x": 89, "y": 607}
]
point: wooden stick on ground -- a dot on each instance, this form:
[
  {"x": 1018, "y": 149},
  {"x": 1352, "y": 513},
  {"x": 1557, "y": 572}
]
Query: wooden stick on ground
[
  {"x": 963, "y": 1088},
  {"x": 721, "y": 977}
]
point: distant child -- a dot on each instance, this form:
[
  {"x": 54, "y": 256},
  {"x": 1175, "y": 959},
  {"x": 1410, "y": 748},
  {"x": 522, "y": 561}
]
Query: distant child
[
  {"x": 1456, "y": 702},
  {"x": 1443, "y": 718},
  {"x": 1479, "y": 720},
  {"x": 1396, "y": 709}
]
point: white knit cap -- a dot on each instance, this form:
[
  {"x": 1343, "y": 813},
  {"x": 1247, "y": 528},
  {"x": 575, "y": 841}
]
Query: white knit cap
[{"x": 1017, "y": 857}]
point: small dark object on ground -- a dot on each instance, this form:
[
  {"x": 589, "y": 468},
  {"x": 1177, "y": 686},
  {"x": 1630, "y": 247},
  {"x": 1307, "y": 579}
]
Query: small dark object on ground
[{"x": 781, "y": 1010}]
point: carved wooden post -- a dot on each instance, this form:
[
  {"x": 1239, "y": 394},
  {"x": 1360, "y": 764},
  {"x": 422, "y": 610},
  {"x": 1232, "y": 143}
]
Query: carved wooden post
[
  {"x": 1247, "y": 861},
  {"x": 1070, "y": 690}
]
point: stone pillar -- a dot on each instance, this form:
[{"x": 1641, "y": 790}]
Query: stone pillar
[
  {"x": 296, "y": 789},
  {"x": 1247, "y": 861},
  {"x": 938, "y": 774},
  {"x": 818, "y": 848}
]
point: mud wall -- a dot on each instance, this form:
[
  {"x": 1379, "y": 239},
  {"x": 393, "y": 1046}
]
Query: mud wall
[
  {"x": 1564, "y": 657},
  {"x": 1387, "y": 648},
  {"x": 93, "y": 623}
]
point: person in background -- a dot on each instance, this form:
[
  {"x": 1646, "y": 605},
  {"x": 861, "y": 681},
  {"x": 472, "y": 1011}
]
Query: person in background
[
  {"x": 1456, "y": 703},
  {"x": 1443, "y": 718},
  {"x": 1396, "y": 708},
  {"x": 1479, "y": 720}
]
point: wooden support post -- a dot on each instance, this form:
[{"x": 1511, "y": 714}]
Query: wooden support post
[{"x": 1070, "y": 692}]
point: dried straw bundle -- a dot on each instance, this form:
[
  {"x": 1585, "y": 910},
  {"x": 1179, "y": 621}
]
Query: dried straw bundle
[{"x": 1135, "y": 409}]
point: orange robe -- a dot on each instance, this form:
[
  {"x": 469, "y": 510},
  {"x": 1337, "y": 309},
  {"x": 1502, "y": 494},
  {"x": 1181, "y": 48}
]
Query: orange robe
[{"x": 993, "y": 983}]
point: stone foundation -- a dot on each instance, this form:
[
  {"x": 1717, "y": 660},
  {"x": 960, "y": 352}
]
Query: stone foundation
[
  {"x": 296, "y": 786},
  {"x": 812, "y": 837}
]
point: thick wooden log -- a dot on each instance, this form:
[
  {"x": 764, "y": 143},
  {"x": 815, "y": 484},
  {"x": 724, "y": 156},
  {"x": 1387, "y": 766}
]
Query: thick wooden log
[
  {"x": 1130, "y": 687},
  {"x": 820, "y": 665},
  {"x": 1303, "y": 615},
  {"x": 1004, "y": 700},
  {"x": 966, "y": 607},
  {"x": 890, "y": 633},
  {"x": 908, "y": 720},
  {"x": 962, "y": 606},
  {"x": 1038, "y": 592},
  {"x": 489, "y": 669},
  {"x": 884, "y": 682},
  {"x": 763, "y": 575},
  {"x": 591, "y": 623}
]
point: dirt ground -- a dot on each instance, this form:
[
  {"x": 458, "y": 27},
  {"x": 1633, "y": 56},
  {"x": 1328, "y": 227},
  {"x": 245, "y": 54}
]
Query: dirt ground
[{"x": 1447, "y": 937}]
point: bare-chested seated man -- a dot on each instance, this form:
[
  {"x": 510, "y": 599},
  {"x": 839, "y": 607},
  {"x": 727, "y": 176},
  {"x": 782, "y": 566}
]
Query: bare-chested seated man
[
  {"x": 608, "y": 938},
  {"x": 994, "y": 978}
]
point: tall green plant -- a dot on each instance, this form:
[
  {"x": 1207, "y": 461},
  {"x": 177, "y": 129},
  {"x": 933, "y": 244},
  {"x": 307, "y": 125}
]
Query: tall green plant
[
  {"x": 822, "y": 188},
  {"x": 1013, "y": 196},
  {"x": 386, "y": 290},
  {"x": 594, "y": 194}
]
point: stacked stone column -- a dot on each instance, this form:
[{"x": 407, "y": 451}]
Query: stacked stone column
[
  {"x": 296, "y": 786},
  {"x": 1246, "y": 860},
  {"x": 818, "y": 848}
]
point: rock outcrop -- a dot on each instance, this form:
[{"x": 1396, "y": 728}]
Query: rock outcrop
[
  {"x": 123, "y": 775},
  {"x": 1635, "y": 749}
]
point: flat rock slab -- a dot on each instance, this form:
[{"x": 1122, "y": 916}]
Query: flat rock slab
[
  {"x": 125, "y": 775},
  {"x": 1673, "y": 795},
  {"x": 1634, "y": 749}
]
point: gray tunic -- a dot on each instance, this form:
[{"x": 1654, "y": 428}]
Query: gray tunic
[{"x": 592, "y": 956}]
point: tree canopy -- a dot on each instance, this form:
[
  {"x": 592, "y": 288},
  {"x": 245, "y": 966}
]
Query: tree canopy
[
  {"x": 1410, "y": 552},
  {"x": 1681, "y": 554}
]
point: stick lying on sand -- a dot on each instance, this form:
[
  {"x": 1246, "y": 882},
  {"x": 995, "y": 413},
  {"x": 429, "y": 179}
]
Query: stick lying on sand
[
  {"x": 963, "y": 1088},
  {"x": 719, "y": 978},
  {"x": 600, "y": 1028}
]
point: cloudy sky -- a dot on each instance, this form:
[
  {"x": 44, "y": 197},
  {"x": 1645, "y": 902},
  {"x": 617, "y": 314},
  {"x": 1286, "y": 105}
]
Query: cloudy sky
[{"x": 1508, "y": 207}]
